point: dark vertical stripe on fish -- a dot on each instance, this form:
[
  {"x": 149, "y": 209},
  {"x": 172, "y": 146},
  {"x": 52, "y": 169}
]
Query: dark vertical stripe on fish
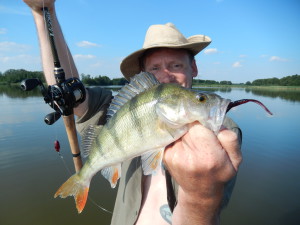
[
  {"x": 158, "y": 91},
  {"x": 116, "y": 139},
  {"x": 135, "y": 117}
]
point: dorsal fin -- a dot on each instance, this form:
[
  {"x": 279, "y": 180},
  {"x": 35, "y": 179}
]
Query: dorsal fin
[
  {"x": 88, "y": 137},
  {"x": 138, "y": 84}
]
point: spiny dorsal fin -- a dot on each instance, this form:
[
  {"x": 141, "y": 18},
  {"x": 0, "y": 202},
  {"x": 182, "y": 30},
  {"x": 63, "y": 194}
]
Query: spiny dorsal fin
[{"x": 138, "y": 84}]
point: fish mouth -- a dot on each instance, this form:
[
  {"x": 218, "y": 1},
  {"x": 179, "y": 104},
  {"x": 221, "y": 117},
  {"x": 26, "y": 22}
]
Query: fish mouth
[
  {"x": 218, "y": 112},
  {"x": 217, "y": 115}
]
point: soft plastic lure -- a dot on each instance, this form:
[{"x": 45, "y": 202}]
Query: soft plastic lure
[{"x": 243, "y": 101}]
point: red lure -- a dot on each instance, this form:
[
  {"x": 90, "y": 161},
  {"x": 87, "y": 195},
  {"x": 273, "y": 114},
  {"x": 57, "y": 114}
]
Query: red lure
[{"x": 56, "y": 146}]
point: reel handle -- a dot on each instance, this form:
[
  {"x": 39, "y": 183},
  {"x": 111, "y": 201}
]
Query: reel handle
[
  {"x": 29, "y": 84},
  {"x": 51, "y": 118}
]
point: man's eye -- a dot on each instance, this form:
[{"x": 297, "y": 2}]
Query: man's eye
[
  {"x": 176, "y": 66},
  {"x": 154, "y": 69}
]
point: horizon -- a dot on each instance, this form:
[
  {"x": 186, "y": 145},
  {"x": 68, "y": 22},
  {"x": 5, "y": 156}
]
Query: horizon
[
  {"x": 194, "y": 79},
  {"x": 250, "y": 39}
]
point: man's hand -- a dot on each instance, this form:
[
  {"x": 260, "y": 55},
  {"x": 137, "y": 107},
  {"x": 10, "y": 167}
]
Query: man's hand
[
  {"x": 201, "y": 163},
  {"x": 36, "y": 5}
]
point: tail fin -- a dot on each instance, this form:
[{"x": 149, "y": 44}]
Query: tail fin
[{"x": 74, "y": 186}]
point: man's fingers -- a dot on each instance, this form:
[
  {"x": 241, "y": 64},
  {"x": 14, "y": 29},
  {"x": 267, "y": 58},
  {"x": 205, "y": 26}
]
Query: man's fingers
[{"x": 229, "y": 141}]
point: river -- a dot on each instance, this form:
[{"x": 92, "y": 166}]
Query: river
[{"x": 267, "y": 191}]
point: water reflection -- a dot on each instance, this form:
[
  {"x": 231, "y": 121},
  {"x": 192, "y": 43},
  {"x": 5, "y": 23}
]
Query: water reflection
[
  {"x": 286, "y": 94},
  {"x": 214, "y": 89},
  {"x": 15, "y": 91}
]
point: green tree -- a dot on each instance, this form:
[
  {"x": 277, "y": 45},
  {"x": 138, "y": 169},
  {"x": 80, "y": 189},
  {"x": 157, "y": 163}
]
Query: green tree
[
  {"x": 225, "y": 82},
  {"x": 16, "y": 76}
]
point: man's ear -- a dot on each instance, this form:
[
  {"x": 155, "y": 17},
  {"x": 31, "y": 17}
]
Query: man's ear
[{"x": 194, "y": 68}]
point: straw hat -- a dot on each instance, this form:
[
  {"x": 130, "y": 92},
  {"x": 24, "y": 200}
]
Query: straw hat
[{"x": 162, "y": 36}]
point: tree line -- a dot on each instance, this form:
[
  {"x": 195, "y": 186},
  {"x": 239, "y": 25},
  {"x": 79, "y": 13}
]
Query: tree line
[
  {"x": 101, "y": 80},
  {"x": 211, "y": 82},
  {"x": 293, "y": 80},
  {"x": 16, "y": 76}
]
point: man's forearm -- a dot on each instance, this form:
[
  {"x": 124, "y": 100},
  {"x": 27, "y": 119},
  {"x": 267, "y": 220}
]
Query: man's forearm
[
  {"x": 197, "y": 210},
  {"x": 65, "y": 57}
]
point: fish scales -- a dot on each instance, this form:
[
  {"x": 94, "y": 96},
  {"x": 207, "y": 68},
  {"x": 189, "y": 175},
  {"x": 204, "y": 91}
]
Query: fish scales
[{"x": 134, "y": 125}]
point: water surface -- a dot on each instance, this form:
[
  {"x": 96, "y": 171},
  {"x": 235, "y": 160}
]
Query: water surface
[{"x": 266, "y": 192}]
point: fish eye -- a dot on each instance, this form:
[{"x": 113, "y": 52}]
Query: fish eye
[{"x": 201, "y": 98}]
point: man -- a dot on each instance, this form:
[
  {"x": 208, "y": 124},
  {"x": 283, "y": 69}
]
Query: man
[{"x": 202, "y": 165}]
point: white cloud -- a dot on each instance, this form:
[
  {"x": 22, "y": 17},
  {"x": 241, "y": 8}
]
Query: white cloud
[
  {"x": 87, "y": 44},
  {"x": 3, "y": 30},
  {"x": 9, "y": 46},
  {"x": 243, "y": 56},
  {"x": 277, "y": 58},
  {"x": 79, "y": 56},
  {"x": 210, "y": 51},
  {"x": 237, "y": 64},
  {"x": 263, "y": 56},
  {"x": 22, "y": 61},
  {"x": 24, "y": 11},
  {"x": 19, "y": 58},
  {"x": 99, "y": 66}
]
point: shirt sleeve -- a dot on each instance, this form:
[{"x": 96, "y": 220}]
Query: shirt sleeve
[{"x": 98, "y": 102}]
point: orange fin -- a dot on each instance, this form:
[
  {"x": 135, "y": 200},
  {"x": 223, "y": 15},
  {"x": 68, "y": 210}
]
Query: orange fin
[
  {"x": 77, "y": 188},
  {"x": 151, "y": 161},
  {"x": 112, "y": 174}
]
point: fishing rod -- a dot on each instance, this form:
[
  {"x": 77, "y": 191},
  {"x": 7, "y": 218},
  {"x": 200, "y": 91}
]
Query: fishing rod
[{"x": 62, "y": 96}]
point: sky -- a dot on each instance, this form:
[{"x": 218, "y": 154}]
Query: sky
[{"x": 251, "y": 39}]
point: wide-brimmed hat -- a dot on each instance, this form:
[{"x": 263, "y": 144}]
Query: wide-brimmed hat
[{"x": 160, "y": 36}]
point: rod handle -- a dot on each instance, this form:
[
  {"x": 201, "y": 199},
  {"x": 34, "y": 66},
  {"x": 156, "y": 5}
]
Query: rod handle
[{"x": 69, "y": 122}]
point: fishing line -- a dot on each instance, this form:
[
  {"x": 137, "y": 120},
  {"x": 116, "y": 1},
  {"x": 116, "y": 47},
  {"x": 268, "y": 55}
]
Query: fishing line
[
  {"x": 89, "y": 198},
  {"x": 57, "y": 149},
  {"x": 64, "y": 163},
  {"x": 99, "y": 206},
  {"x": 56, "y": 143}
]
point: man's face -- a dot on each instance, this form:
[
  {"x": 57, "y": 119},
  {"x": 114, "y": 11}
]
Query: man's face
[{"x": 171, "y": 66}]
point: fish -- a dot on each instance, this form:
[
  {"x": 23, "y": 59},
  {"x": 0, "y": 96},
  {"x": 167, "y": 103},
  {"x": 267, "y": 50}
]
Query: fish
[{"x": 143, "y": 118}]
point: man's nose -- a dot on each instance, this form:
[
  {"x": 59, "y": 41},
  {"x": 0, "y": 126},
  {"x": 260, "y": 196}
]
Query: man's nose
[{"x": 166, "y": 76}]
